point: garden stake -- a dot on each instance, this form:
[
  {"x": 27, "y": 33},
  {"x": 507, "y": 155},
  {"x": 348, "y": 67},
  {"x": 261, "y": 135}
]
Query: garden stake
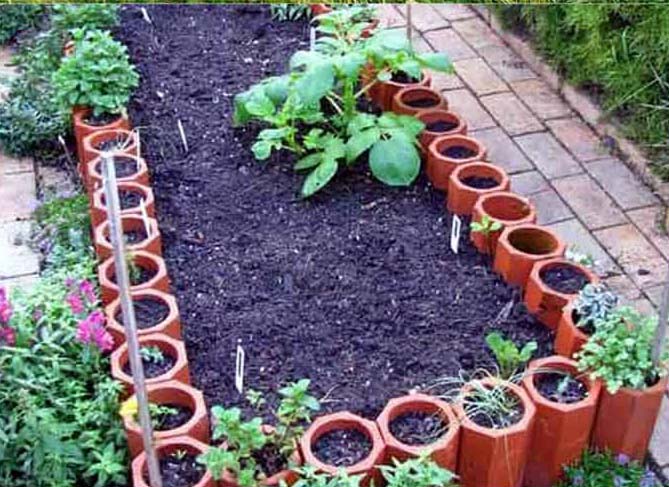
[
  {"x": 662, "y": 324},
  {"x": 183, "y": 134},
  {"x": 122, "y": 279},
  {"x": 409, "y": 26}
]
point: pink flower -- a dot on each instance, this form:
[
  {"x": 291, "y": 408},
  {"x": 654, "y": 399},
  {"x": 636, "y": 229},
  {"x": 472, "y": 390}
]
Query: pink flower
[
  {"x": 103, "y": 339},
  {"x": 5, "y": 307},
  {"x": 7, "y": 336},
  {"x": 69, "y": 282},
  {"x": 88, "y": 291},
  {"x": 76, "y": 305},
  {"x": 91, "y": 331}
]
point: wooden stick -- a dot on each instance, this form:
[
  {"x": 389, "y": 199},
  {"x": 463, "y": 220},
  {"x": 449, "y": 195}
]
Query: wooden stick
[
  {"x": 409, "y": 25},
  {"x": 129, "y": 322},
  {"x": 662, "y": 325}
]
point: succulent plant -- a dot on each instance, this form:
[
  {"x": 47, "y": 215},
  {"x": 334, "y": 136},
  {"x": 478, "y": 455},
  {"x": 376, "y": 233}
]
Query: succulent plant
[{"x": 594, "y": 303}]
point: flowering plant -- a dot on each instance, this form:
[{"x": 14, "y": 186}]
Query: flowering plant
[{"x": 7, "y": 333}]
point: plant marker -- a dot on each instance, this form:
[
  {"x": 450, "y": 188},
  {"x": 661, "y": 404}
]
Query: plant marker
[
  {"x": 129, "y": 322},
  {"x": 456, "y": 227},
  {"x": 145, "y": 14},
  {"x": 409, "y": 26},
  {"x": 662, "y": 324},
  {"x": 239, "y": 368},
  {"x": 312, "y": 39},
  {"x": 61, "y": 141},
  {"x": 183, "y": 134}
]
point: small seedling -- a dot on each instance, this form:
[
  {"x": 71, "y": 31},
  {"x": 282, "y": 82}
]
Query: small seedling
[
  {"x": 159, "y": 413},
  {"x": 134, "y": 272},
  {"x": 486, "y": 227},
  {"x": 152, "y": 354},
  {"x": 255, "y": 398},
  {"x": 509, "y": 358},
  {"x": 417, "y": 472},
  {"x": 577, "y": 257},
  {"x": 180, "y": 454}
]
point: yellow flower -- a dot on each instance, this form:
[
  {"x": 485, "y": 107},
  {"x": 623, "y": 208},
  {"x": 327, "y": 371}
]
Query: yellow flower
[{"x": 129, "y": 408}]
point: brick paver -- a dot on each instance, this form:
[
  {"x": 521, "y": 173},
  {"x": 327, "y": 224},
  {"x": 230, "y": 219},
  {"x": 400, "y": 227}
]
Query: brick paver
[
  {"x": 648, "y": 220},
  {"x": 450, "y": 42},
  {"x": 477, "y": 33},
  {"x": 528, "y": 183},
  {"x": 464, "y": 102},
  {"x": 502, "y": 151},
  {"x": 511, "y": 113},
  {"x": 578, "y": 138},
  {"x": 454, "y": 11},
  {"x": 550, "y": 208},
  {"x": 548, "y": 155},
  {"x": 543, "y": 101},
  {"x": 479, "y": 76},
  {"x": 506, "y": 64},
  {"x": 579, "y": 238},
  {"x": 427, "y": 18},
  {"x": 621, "y": 183}
]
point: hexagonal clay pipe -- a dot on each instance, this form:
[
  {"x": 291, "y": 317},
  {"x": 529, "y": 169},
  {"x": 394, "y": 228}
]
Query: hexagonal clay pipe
[
  {"x": 367, "y": 467},
  {"x": 169, "y": 447},
  {"x": 82, "y": 128},
  {"x": 545, "y": 302},
  {"x": 170, "y": 325},
  {"x": 494, "y": 457},
  {"x": 144, "y": 261},
  {"x": 129, "y": 223},
  {"x": 520, "y": 247},
  {"x": 444, "y": 451},
  {"x": 561, "y": 430},
  {"x": 468, "y": 182},
  {"x": 130, "y": 194},
  {"x": 120, "y": 141},
  {"x": 413, "y": 99},
  {"x": 569, "y": 338},
  {"x": 462, "y": 150},
  {"x": 171, "y": 393},
  {"x": 168, "y": 346},
  {"x": 438, "y": 123},
  {"x": 129, "y": 169},
  {"x": 505, "y": 207}
]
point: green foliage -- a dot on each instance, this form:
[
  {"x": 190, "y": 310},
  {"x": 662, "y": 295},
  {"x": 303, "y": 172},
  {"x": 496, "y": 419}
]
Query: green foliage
[
  {"x": 619, "y": 352},
  {"x": 152, "y": 354},
  {"x": 309, "y": 477},
  {"x": 618, "y": 50},
  {"x": 509, "y": 358},
  {"x": 495, "y": 403},
  {"x": 417, "y": 472},
  {"x": 289, "y": 11},
  {"x": 602, "y": 469},
  {"x": 98, "y": 75},
  {"x": 486, "y": 227},
  {"x": 593, "y": 304},
  {"x": 14, "y": 18},
  {"x": 67, "y": 18},
  {"x": 295, "y": 409},
  {"x": 314, "y": 112}
]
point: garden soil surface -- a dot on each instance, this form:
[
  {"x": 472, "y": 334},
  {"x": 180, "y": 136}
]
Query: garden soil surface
[{"x": 355, "y": 288}]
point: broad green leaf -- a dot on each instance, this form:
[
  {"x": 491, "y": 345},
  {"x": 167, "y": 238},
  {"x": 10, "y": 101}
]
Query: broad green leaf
[
  {"x": 360, "y": 142},
  {"x": 333, "y": 147},
  {"x": 307, "y": 162},
  {"x": 312, "y": 140},
  {"x": 411, "y": 67},
  {"x": 276, "y": 88},
  {"x": 436, "y": 60},
  {"x": 315, "y": 83},
  {"x": 350, "y": 64},
  {"x": 241, "y": 115},
  {"x": 274, "y": 134},
  {"x": 319, "y": 177},
  {"x": 262, "y": 149},
  {"x": 360, "y": 122},
  {"x": 305, "y": 58},
  {"x": 259, "y": 104},
  {"x": 392, "y": 39},
  {"x": 395, "y": 161},
  {"x": 410, "y": 126}
]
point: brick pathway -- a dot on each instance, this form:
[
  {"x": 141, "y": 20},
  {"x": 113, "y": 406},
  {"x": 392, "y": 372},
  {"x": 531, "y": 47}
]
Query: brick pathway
[{"x": 587, "y": 196}]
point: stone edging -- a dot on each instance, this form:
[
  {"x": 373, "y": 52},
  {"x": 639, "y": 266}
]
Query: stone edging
[{"x": 589, "y": 111}]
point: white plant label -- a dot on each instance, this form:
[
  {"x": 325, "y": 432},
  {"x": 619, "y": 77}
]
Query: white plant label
[
  {"x": 456, "y": 226},
  {"x": 312, "y": 38},
  {"x": 239, "y": 369},
  {"x": 145, "y": 217}
]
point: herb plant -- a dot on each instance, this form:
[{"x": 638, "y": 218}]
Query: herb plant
[
  {"x": 152, "y": 354},
  {"x": 486, "y": 227},
  {"x": 98, "y": 75},
  {"x": 510, "y": 359},
  {"x": 14, "y": 18},
  {"x": 603, "y": 469},
  {"x": 289, "y": 11},
  {"x": 90, "y": 16},
  {"x": 417, "y": 472},
  {"x": 619, "y": 352},
  {"x": 594, "y": 303},
  {"x": 309, "y": 477}
]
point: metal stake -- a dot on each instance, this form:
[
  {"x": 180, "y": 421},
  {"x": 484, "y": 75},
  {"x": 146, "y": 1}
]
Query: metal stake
[
  {"x": 123, "y": 282},
  {"x": 409, "y": 25},
  {"x": 662, "y": 324}
]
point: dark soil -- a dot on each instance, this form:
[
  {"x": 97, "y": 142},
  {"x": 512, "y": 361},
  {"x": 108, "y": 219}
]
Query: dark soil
[
  {"x": 564, "y": 279},
  {"x": 153, "y": 368},
  {"x": 270, "y": 460},
  {"x": 560, "y": 387},
  {"x": 493, "y": 419},
  {"x": 148, "y": 312},
  {"x": 355, "y": 288},
  {"x": 112, "y": 144},
  {"x": 171, "y": 421},
  {"x": 179, "y": 472},
  {"x": 480, "y": 182},
  {"x": 102, "y": 119},
  {"x": 342, "y": 448},
  {"x": 440, "y": 126},
  {"x": 128, "y": 199},
  {"x": 125, "y": 166},
  {"x": 403, "y": 78},
  {"x": 458, "y": 152},
  {"x": 422, "y": 103},
  {"x": 418, "y": 428},
  {"x": 134, "y": 236},
  {"x": 587, "y": 327}
]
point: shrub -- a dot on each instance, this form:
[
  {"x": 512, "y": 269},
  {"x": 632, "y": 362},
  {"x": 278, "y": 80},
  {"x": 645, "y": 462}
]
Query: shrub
[
  {"x": 98, "y": 75},
  {"x": 66, "y": 18},
  {"x": 601, "y": 469},
  {"x": 14, "y": 18},
  {"x": 417, "y": 472},
  {"x": 620, "y": 51}
]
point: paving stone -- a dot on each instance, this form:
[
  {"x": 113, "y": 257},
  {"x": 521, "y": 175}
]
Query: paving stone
[
  {"x": 541, "y": 99},
  {"x": 389, "y": 15},
  {"x": 578, "y": 138},
  {"x": 550, "y": 208},
  {"x": 449, "y": 42},
  {"x": 659, "y": 444},
  {"x": 511, "y": 114},
  {"x": 445, "y": 81},
  {"x": 11, "y": 165},
  {"x": 642, "y": 305},
  {"x": 638, "y": 258},
  {"x": 465, "y": 104},
  {"x": 655, "y": 294},
  {"x": 22, "y": 282},
  {"x": 454, "y": 11},
  {"x": 17, "y": 196},
  {"x": 506, "y": 64},
  {"x": 18, "y": 259},
  {"x": 621, "y": 183},
  {"x": 479, "y": 77},
  {"x": 528, "y": 183},
  {"x": 590, "y": 203},
  {"x": 577, "y": 237},
  {"x": 502, "y": 151},
  {"x": 548, "y": 155},
  {"x": 624, "y": 287},
  {"x": 424, "y": 17},
  {"x": 648, "y": 221},
  {"x": 477, "y": 33}
]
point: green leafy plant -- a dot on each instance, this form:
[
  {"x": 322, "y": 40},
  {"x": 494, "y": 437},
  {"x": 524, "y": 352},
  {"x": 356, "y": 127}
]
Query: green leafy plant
[
  {"x": 152, "y": 354},
  {"x": 14, "y": 18},
  {"x": 594, "y": 304},
  {"x": 417, "y": 472},
  {"x": 289, "y": 11},
  {"x": 159, "y": 413},
  {"x": 509, "y": 357},
  {"x": 243, "y": 439},
  {"x": 486, "y": 227},
  {"x": 98, "y": 75},
  {"x": 619, "y": 352},
  {"x": 309, "y": 477},
  {"x": 603, "y": 469},
  {"x": 67, "y": 18}
]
